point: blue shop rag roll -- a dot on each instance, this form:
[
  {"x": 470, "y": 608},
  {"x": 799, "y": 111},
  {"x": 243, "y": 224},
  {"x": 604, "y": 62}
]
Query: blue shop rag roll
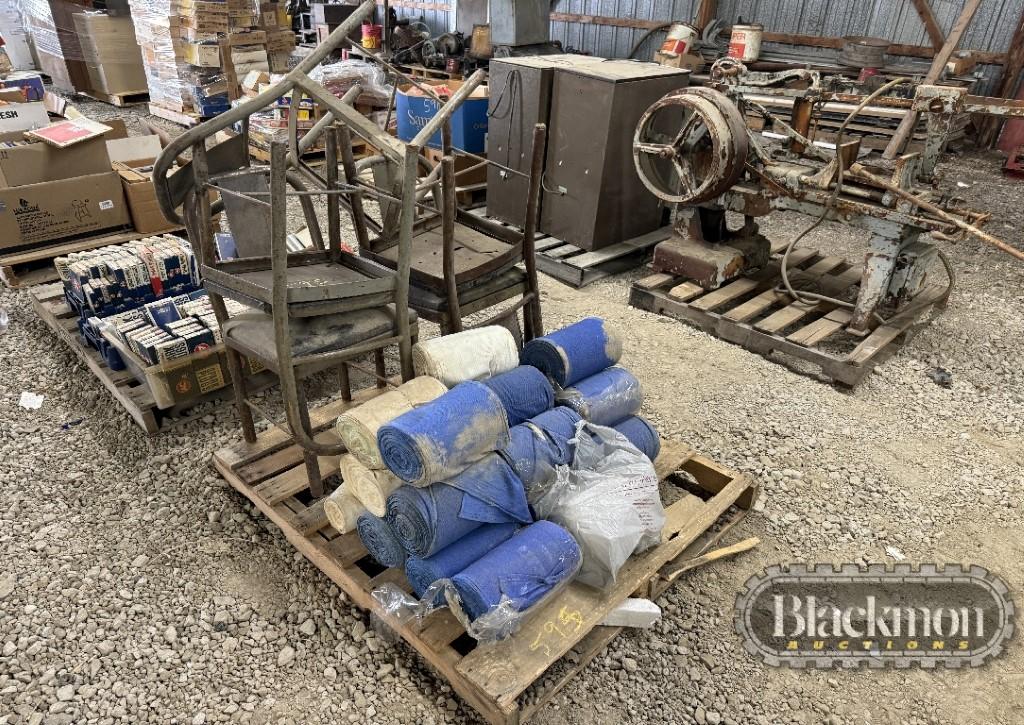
[
  {"x": 540, "y": 444},
  {"x": 605, "y": 398},
  {"x": 427, "y": 520},
  {"x": 524, "y": 391},
  {"x": 574, "y": 352},
  {"x": 380, "y": 540},
  {"x": 455, "y": 557},
  {"x": 641, "y": 434},
  {"x": 521, "y": 570},
  {"x": 438, "y": 439}
]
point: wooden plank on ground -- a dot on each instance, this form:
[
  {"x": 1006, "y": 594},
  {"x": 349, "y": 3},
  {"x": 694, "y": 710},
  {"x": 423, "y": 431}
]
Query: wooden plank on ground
[{"x": 810, "y": 335}]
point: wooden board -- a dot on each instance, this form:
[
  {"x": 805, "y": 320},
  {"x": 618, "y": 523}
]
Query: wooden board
[
  {"x": 579, "y": 267},
  {"x": 35, "y": 266},
  {"x": 182, "y": 118},
  {"x": 490, "y": 678},
  {"x": 120, "y": 99},
  {"x": 135, "y": 398},
  {"x": 752, "y": 313}
]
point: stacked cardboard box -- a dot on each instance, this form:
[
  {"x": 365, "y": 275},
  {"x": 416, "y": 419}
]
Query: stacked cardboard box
[
  {"x": 184, "y": 43},
  {"x": 51, "y": 28},
  {"x": 111, "y": 53}
]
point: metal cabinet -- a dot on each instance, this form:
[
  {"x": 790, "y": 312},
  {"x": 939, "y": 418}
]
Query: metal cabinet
[
  {"x": 520, "y": 97},
  {"x": 592, "y": 196}
]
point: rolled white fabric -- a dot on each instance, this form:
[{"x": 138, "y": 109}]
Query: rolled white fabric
[
  {"x": 358, "y": 427},
  {"x": 371, "y": 488},
  {"x": 343, "y": 510},
  {"x": 470, "y": 355}
]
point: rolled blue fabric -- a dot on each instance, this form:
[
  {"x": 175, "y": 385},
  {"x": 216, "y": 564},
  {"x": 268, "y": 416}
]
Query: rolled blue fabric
[
  {"x": 641, "y": 434},
  {"x": 380, "y": 540},
  {"x": 606, "y": 398},
  {"x": 540, "y": 444},
  {"x": 574, "y": 352},
  {"x": 523, "y": 569},
  {"x": 427, "y": 520},
  {"x": 524, "y": 391},
  {"x": 455, "y": 557},
  {"x": 440, "y": 438}
]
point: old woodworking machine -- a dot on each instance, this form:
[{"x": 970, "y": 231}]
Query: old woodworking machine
[{"x": 692, "y": 149}]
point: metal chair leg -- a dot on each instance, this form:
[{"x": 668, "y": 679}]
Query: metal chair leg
[
  {"x": 382, "y": 371},
  {"x": 238, "y": 382},
  {"x": 316, "y": 484},
  {"x": 346, "y": 383}
]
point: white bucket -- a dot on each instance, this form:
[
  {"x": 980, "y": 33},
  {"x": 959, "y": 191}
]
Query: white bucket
[
  {"x": 679, "y": 40},
  {"x": 745, "y": 44}
]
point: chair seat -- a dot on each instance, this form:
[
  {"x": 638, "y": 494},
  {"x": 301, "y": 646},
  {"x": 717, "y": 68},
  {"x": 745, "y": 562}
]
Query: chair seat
[
  {"x": 252, "y": 333},
  {"x": 306, "y": 283}
]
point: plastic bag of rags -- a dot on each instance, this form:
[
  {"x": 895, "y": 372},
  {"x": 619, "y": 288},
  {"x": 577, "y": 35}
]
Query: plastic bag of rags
[{"x": 608, "y": 499}]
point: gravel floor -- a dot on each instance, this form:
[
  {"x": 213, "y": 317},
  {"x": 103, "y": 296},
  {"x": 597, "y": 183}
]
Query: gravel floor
[{"x": 135, "y": 586}]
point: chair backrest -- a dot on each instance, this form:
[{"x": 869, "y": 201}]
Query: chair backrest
[{"x": 248, "y": 219}]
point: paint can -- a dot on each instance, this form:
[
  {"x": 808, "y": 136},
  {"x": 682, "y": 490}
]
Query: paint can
[
  {"x": 371, "y": 35},
  {"x": 863, "y": 52},
  {"x": 745, "y": 44},
  {"x": 680, "y": 39}
]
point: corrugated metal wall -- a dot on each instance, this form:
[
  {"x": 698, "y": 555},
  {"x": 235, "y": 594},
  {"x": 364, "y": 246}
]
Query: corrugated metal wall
[
  {"x": 896, "y": 20},
  {"x": 436, "y": 20}
]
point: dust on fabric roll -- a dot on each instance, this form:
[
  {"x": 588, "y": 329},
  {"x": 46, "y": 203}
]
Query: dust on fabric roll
[
  {"x": 574, "y": 352},
  {"x": 428, "y": 519},
  {"x": 641, "y": 434},
  {"x": 605, "y": 398},
  {"x": 371, "y": 487},
  {"x": 455, "y": 557},
  {"x": 535, "y": 560},
  {"x": 541, "y": 443},
  {"x": 469, "y": 355},
  {"x": 524, "y": 391},
  {"x": 380, "y": 540},
  {"x": 439, "y": 439},
  {"x": 343, "y": 510},
  {"x": 358, "y": 427}
]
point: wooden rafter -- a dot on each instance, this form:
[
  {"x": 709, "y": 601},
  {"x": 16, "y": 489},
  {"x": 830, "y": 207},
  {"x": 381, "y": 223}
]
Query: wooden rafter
[
  {"x": 931, "y": 23},
  {"x": 1008, "y": 80},
  {"x": 706, "y": 13}
]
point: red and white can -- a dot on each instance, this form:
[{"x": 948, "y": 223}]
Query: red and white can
[
  {"x": 745, "y": 44},
  {"x": 680, "y": 39}
]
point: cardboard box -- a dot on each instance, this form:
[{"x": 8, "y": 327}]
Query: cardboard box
[
  {"x": 31, "y": 84},
  {"x": 37, "y": 163},
  {"x": 206, "y": 55},
  {"x": 111, "y": 53},
  {"x": 65, "y": 208},
  {"x": 477, "y": 176},
  {"x": 280, "y": 40},
  {"x": 469, "y": 122},
  {"x": 18, "y": 117}
]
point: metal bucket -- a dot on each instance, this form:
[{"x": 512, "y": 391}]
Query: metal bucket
[
  {"x": 680, "y": 39},
  {"x": 745, "y": 44},
  {"x": 863, "y": 52}
]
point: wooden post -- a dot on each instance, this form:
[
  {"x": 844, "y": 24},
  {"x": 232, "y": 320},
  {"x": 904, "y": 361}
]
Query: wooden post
[
  {"x": 931, "y": 23},
  {"x": 990, "y": 127},
  {"x": 706, "y": 13},
  {"x": 909, "y": 122}
]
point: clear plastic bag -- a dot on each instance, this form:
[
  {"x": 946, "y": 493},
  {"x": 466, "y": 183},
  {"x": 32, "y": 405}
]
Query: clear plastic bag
[
  {"x": 607, "y": 499},
  {"x": 339, "y": 77}
]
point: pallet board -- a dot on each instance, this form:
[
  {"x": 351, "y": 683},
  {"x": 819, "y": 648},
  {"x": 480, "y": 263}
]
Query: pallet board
[
  {"x": 35, "y": 266},
  {"x": 134, "y": 397},
  {"x": 120, "y": 99},
  {"x": 749, "y": 312},
  {"x": 182, "y": 118},
  {"x": 578, "y": 267},
  {"x": 491, "y": 678}
]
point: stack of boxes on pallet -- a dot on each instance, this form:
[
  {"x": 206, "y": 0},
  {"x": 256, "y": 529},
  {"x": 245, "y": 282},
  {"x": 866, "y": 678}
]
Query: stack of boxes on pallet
[{"x": 197, "y": 51}]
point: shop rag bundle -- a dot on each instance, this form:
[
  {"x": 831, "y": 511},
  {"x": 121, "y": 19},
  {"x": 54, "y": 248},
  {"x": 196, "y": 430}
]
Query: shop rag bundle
[
  {"x": 573, "y": 353},
  {"x": 358, "y": 427},
  {"x": 371, "y": 487},
  {"x": 455, "y": 557},
  {"x": 524, "y": 392},
  {"x": 437, "y": 440},
  {"x": 343, "y": 510},
  {"x": 541, "y": 443},
  {"x": 516, "y": 574},
  {"x": 641, "y": 434},
  {"x": 428, "y": 519},
  {"x": 605, "y": 398},
  {"x": 380, "y": 540},
  {"x": 470, "y": 355}
]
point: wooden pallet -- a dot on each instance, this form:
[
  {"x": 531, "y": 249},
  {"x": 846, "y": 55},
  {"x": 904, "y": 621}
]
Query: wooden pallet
[
  {"x": 490, "y": 678},
  {"x": 750, "y": 313},
  {"x": 134, "y": 397},
  {"x": 182, "y": 118},
  {"x": 430, "y": 74},
  {"x": 120, "y": 100},
  {"x": 578, "y": 267},
  {"x": 35, "y": 266}
]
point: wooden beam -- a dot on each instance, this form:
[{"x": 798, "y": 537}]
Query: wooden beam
[
  {"x": 989, "y": 128},
  {"x": 706, "y": 13},
  {"x": 909, "y": 122},
  {"x": 912, "y": 51},
  {"x": 931, "y": 23}
]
